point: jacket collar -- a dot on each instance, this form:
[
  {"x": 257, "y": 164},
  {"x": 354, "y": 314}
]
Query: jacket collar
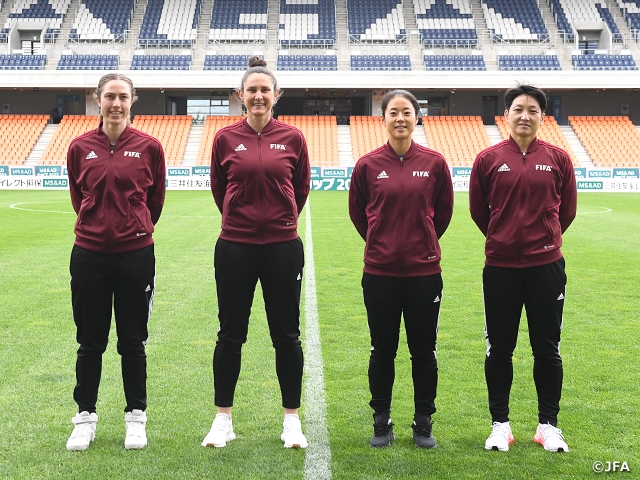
[
  {"x": 125, "y": 133},
  {"x": 516, "y": 148},
  {"x": 269, "y": 126},
  {"x": 410, "y": 153}
]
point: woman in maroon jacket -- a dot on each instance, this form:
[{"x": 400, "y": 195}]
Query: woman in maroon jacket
[
  {"x": 522, "y": 196},
  {"x": 401, "y": 203},
  {"x": 117, "y": 181},
  {"x": 260, "y": 180}
]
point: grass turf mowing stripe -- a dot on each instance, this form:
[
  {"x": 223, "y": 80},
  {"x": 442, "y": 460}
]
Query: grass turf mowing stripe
[{"x": 317, "y": 462}]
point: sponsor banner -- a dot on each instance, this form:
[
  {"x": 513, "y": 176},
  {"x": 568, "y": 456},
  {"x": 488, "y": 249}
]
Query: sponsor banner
[
  {"x": 626, "y": 173},
  {"x": 201, "y": 171},
  {"x": 322, "y": 178},
  {"x": 48, "y": 170}
]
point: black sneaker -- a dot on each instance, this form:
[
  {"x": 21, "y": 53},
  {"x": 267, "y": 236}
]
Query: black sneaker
[
  {"x": 382, "y": 431},
  {"x": 422, "y": 426}
]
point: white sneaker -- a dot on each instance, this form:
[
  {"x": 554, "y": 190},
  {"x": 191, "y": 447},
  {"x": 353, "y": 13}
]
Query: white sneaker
[
  {"x": 500, "y": 438},
  {"x": 136, "y": 436},
  {"x": 84, "y": 431},
  {"x": 550, "y": 438},
  {"x": 292, "y": 435},
  {"x": 221, "y": 432}
]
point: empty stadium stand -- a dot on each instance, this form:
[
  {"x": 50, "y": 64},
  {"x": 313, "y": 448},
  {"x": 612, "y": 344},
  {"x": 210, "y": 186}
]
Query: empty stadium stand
[
  {"x": 549, "y": 131},
  {"x": 307, "y": 62},
  {"x": 241, "y": 21},
  {"x": 381, "y": 62},
  {"x": 161, "y": 62},
  {"x": 601, "y": 61},
  {"x": 513, "y": 21},
  {"x": 212, "y": 124},
  {"x": 226, "y": 62},
  {"x": 609, "y": 141},
  {"x": 18, "y": 61},
  {"x": 171, "y": 130},
  {"x": 376, "y": 20},
  {"x": 631, "y": 13},
  {"x": 170, "y": 23},
  {"x": 36, "y": 11},
  {"x": 442, "y": 22},
  {"x": 307, "y": 23},
  {"x": 88, "y": 62},
  {"x": 321, "y": 134},
  {"x": 100, "y": 20},
  {"x": 367, "y": 134},
  {"x": 454, "y": 62},
  {"x": 70, "y": 127},
  {"x": 528, "y": 62},
  {"x": 589, "y": 11},
  {"x": 18, "y": 135},
  {"x": 458, "y": 138}
]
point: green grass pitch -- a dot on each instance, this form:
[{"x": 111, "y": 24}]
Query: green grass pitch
[{"x": 600, "y": 348}]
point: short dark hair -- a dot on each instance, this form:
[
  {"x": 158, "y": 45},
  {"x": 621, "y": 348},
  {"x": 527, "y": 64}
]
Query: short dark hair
[
  {"x": 391, "y": 94},
  {"x": 524, "y": 89}
]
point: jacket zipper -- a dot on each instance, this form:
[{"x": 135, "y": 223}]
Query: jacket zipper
[
  {"x": 523, "y": 194},
  {"x": 260, "y": 214},
  {"x": 108, "y": 239},
  {"x": 401, "y": 229}
]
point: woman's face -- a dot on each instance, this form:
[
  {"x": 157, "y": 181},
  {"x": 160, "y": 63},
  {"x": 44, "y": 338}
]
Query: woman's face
[
  {"x": 115, "y": 103},
  {"x": 258, "y": 95},
  {"x": 400, "y": 118}
]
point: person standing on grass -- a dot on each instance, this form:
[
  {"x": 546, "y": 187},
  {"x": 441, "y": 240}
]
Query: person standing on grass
[
  {"x": 117, "y": 181},
  {"x": 401, "y": 203},
  {"x": 260, "y": 180},
  {"x": 522, "y": 196}
]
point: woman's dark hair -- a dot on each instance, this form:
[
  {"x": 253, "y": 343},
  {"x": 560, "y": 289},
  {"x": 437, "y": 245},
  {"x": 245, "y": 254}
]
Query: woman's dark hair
[
  {"x": 400, "y": 93},
  {"x": 258, "y": 65},
  {"x": 528, "y": 90},
  {"x": 115, "y": 76}
]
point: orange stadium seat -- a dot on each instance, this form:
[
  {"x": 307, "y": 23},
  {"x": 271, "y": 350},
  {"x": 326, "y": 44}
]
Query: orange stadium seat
[
  {"x": 609, "y": 141},
  {"x": 367, "y": 134},
  {"x": 212, "y": 124},
  {"x": 321, "y": 134},
  {"x": 69, "y": 128},
  {"x": 458, "y": 138},
  {"x": 549, "y": 131},
  {"x": 18, "y": 136},
  {"x": 171, "y": 130}
]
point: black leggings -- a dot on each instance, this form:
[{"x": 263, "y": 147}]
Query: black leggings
[
  {"x": 238, "y": 267},
  {"x": 102, "y": 282}
]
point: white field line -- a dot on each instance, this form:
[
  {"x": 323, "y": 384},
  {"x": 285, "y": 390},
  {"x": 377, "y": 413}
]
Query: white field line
[{"x": 317, "y": 461}]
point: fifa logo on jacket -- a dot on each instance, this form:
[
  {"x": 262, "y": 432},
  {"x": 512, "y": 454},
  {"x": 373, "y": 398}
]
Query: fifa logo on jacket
[
  {"x": 545, "y": 168},
  {"x": 132, "y": 154},
  {"x": 277, "y": 146},
  {"x": 420, "y": 173}
]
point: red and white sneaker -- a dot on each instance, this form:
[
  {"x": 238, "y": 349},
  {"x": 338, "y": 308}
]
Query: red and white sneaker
[
  {"x": 500, "y": 438},
  {"x": 550, "y": 438}
]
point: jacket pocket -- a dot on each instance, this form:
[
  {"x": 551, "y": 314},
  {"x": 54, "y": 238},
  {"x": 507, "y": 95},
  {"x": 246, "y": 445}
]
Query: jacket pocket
[
  {"x": 141, "y": 213},
  {"x": 86, "y": 205},
  {"x": 291, "y": 213},
  {"x": 229, "y": 202}
]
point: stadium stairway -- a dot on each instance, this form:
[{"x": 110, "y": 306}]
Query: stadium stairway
[
  {"x": 193, "y": 145},
  {"x": 345, "y": 150},
  {"x": 41, "y": 145},
  {"x": 493, "y": 133},
  {"x": 576, "y": 145},
  {"x": 420, "y": 137}
]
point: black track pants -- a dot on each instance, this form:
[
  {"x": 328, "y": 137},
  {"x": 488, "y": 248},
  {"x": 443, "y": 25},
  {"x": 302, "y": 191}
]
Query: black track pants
[
  {"x": 541, "y": 290},
  {"x": 238, "y": 267},
  {"x": 100, "y": 283},
  {"x": 387, "y": 300}
]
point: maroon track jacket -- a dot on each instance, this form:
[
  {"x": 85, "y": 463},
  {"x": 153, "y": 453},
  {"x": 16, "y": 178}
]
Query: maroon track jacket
[
  {"x": 522, "y": 203},
  {"x": 118, "y": 196},
  {"x": 260, "y": 181},
  {"x": 401, "y": 207}
]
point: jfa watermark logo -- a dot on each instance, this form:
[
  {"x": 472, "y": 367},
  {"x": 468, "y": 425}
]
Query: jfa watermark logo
[{"x": 610, "y": 466}]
